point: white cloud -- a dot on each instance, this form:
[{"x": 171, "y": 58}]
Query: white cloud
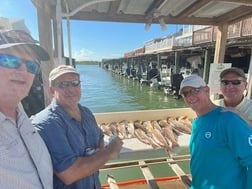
[
  {"x": 83, "y": 54},
  {"x": 86, "y": 54}
]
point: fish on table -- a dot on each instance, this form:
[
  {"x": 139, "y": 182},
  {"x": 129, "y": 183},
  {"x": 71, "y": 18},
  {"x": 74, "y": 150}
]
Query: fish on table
[
  {"x": 156, "y": 133},
  {"x": 168, "y": 132},
  {"x": 178, "y": 126}
]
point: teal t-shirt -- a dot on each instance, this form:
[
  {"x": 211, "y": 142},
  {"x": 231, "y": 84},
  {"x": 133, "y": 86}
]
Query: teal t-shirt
[{"x": 221, "y": 151}]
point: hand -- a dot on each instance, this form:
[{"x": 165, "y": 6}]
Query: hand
[{"x": 114, "y": 147}]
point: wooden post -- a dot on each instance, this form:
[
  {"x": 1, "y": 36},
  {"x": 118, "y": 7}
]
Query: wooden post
[
  {"x": 207, "y": 65},
  {"x": 177, "y": 59},
  {"x": 45, "y": 39},
  {"x": 220, "y": 45},
  {"x": 249, "y": 87}
]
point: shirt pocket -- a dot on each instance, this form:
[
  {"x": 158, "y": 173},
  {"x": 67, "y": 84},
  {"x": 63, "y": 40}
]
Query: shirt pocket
[{"x": 11, "y": 149}]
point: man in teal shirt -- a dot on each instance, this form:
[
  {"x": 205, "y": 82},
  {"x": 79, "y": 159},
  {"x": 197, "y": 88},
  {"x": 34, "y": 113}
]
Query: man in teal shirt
[{"x": 221, "y": 142}]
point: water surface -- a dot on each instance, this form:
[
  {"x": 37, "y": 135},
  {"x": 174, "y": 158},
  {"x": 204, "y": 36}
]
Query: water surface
[{"x": 104, "y": 91}]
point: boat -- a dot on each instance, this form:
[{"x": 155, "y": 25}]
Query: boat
[
  {"x": 133, "y": 148},
  {"x": 165, "y": 75}
]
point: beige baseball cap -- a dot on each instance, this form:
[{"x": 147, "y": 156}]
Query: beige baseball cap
[
  {"x": 61, "y": 70},
  {"x": 238, "y": 71}
]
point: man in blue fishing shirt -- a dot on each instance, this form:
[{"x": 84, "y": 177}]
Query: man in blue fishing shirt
[{"x": 220, "y": 144}]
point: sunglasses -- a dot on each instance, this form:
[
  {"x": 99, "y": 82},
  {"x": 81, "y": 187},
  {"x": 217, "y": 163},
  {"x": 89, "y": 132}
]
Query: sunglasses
[
  {"x": 65, "y": 84},
  {"x": 193, "y": 91},
  {"x": 13, "y": 62},
  {"x": 233, "y": 82}
]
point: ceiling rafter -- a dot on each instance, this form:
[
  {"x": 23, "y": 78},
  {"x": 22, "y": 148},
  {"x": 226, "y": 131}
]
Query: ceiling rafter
[
  {"x": 113, "y": 8},
  {"x": 192, "y": 20},
  {"x": 193, "y": 8},
  {"x": 236, "y": 15},
  {"x": 248, "y": 2},
  {"x": 195, "y": 14},
  {"x": 153, "y": 6}
]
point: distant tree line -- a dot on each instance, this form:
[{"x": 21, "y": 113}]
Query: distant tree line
[{"x": 87, "y": 62}]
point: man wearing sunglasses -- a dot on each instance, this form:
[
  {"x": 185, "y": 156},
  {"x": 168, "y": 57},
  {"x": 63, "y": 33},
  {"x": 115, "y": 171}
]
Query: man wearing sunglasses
[
  {"x": 24, "y": 161},
  {"x": 233, "y": 85},
  {"x": 70, "y": 131},
  {"x": 220, "y": 144}
]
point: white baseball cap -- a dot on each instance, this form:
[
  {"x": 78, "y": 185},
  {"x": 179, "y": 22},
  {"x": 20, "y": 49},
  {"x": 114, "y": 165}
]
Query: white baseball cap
[{"x": 193, "y": 80}]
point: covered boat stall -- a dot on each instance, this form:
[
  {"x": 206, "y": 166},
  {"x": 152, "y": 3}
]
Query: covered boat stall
[{"x": 220, "y": 13}]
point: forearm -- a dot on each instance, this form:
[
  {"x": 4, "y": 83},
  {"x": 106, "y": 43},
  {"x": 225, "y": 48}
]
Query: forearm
[{"x": 85, "y": 166}]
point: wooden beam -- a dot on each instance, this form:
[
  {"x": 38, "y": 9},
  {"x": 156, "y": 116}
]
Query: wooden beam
[
  {"x": 236, "y": 15},
  {"x": 248, "y": 2},
  {"x": 114, "y": 6},
  {"x": 191, "y": 9},
  {"x": 128, "y": 18},
  {"x": 220, "y": 45},
  {"x": 249, "y": 95},
  {"x": 45, "y": 38}
]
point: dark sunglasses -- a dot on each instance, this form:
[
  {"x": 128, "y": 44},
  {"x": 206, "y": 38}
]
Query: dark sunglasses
[
  {"x": 193, "y": 91},
  {"x": 233, "y": 82},
  {"x": 13, "y": 62},
  {"x": 65, "y": 84}
]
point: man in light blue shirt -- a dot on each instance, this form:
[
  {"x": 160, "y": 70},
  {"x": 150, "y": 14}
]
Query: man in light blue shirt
[{"x": 24, "y": 159}]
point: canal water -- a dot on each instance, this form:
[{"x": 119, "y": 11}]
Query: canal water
[{"x": 104, "y": 91}]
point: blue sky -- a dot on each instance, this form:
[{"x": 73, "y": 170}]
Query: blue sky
[{"x": 90, "y": 40}]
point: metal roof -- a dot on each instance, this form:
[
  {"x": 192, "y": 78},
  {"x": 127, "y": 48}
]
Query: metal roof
[{"x": 195, "y": 12}]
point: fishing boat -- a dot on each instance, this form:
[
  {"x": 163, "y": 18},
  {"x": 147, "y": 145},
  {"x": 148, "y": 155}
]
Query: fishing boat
[
  {"x": 176, "y": 177},
  {"x": 207, "y": 12},
  {"x": 165, "y": 75}
]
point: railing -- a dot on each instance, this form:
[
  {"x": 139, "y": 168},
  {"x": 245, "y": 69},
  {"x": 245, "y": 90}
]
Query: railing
[{"x": 237, "y": 30}]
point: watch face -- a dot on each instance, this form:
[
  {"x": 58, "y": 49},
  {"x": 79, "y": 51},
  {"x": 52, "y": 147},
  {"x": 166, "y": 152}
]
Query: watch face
[{"x": 89, "y": 151}]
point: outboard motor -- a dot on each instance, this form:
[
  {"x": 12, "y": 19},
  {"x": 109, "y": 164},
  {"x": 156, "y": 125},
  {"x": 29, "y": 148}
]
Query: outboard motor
[{"x": 175, "y": 83}]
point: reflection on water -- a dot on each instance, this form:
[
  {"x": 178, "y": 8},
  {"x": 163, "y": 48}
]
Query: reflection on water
[{"x": 103, "y": 91}]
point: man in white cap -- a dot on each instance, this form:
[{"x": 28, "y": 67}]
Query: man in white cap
[
  {"x": 71, "y": 134},
  {"x": 233, "y": 84},
  {"x": 220, "y": 144},
  {"x": 24, "y": 161}
]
